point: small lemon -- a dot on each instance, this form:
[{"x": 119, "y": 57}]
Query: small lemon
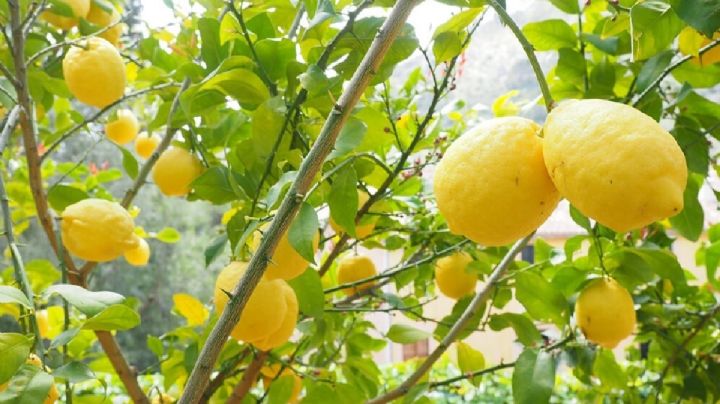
[
  {"x": 53, "y": 394},
  {"x": 42, "y": 321},
  {"x": 79, "y": 8},
  {"x": 614, "y": 163},
  {"x": 604, "y": 312},
  {"x": 269, "y": 374},
  {"x": 123, "y": 129},
  {"x": 94, "y": 72},
  {"x": 366, "y": 225},
  {"x": 163, "y": 399},
  {"x": 175, "y": 170},
  {"x": 355, "y": 268},
  {"x": 286, "y": 262},
  {"x": 491, "y": 186},
  {"x": 451, "y": 277},
  {"x": 265, "y": 311},
  {"x": 145, "y": 144},
  {"x": 102, "y": 18},
  {"x": 282, "y": 334},
  {"x": 97, "y": 230},
  {"x": 140, "y": 255}
]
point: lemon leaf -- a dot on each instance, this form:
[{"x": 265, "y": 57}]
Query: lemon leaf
[
  {"x": 302, "y": 232},
  {"x": 14, "y": 348},
  {"x": 534, "y": 377},
  {"x": 469, "y": 360},
  {"x": 191, "y": 308},
  {"x": 9, "y": 294},
  {"x": 404, "y": 334}
]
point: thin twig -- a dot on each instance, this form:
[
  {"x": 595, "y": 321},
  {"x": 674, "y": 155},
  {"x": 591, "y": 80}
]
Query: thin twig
[{"x": 248, "y": 379}]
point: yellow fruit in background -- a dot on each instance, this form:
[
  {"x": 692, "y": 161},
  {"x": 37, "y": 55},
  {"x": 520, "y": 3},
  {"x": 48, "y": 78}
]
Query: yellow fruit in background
[
  {"x": 42, "y": 320},
  {"x": 286, "y": 263},
  {"x": 491, "y": 186},
  {"x": 79, "y": 8},
  {"x": 269, "y": 374},
  {"x": 145, "y": 144},
  {"x": 266, "y": 310},
  {"x": 123, "y": 129},
  {"x": 163, "y": 399},
  {"x": 690, "y": 41},
  {"x": 53, "y": 394},
  {"x": 140, "y": 255},
  {"x": 366, "y": 225},
  {"x": 451, "y": 276},
  {"x": 604, "y": 312},
  {"x": 282, "y": 334},
  {"x": 614, "y": 163},
  {"x": 97, "y": 230},
  {"x": 175, "y": 170},
  {"x": 354, "y": 268},
  {"x": 98, "y": 16},
  {"x": 94, "y": 72}
]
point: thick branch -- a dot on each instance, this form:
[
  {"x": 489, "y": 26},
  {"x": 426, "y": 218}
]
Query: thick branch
[
  {"x": 248, "y": 379},
  {"x": 470, "y": 312},
  {"x": 295, "y": 196},
  {"x": 122, "y": 368}
]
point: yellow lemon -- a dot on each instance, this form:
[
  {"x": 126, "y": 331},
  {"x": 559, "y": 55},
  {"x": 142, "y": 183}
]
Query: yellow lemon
[
  {"x": 140, "y": 255},
  {"x": 97, "y": 230},
  {"x": 265, "y": 311},
  {"x": 366, "y": 225},
  {"x": 355, "y": 268},
  {"x": 94, "y": 72},
  {"x": 286, "y": 263},
  {"x": 269, "y": 374},
  {"x": 690, "y": 41},
  {"x": 163, "y": 399},
  {"x": 451, "y": 277},
  {"x": 175, "y": 170},
  {"x": 79, "y": 10},
  {"x": 614, "y": 163},
  {"x": 42, "y": 320},
  {"x": 123, "y": 129},
  {"x": 145, "y": 144},
  {"x": 282, "y": 334},
  {"x": 604, "y": 312},
  {"x": 491, "y": 186},
  {"x": 53, "y": 394},
  {"x": 98, "y": 16}
]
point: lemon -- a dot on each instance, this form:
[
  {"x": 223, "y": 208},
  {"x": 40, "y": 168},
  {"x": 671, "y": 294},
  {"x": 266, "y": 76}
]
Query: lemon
[
  {"x": 604, "y": 312},
  {"x": 614, "y": 163},
  {"x": 79, "y": 9},
  {"x": 94, "y": 72},
  {"x": 145, "y": 144},
  {"x": 175, "y": 170},
  {"x": 451, "y": 276},
  {"x": 366, "y": 225},
  {"x": 269, "y": 374},
  {"x": 98, "y": 16},
  {"x": 491, "y": 186},
  {"x": 140, "y": 255},
  {"x": 282, "y": 334},
  {"x": 265, "y": 311},
  {"x": 690, "y": 41},
  {"x": 355, "y": 268},
  {"x": 123, "y": 129},
  {"x": 286, "y": 263},
  {"x": 97, "y": 230},
  {"x": 53, "y": 394},
  {"x": 42, "y": 321},
  {"x": 163, "y": 399}
]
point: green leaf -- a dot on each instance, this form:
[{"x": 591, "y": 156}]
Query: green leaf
[
  {"x": 524, "y": 328},
  {"x": 457, "y": 23},
  {"x": 703, "y": 15},
  {"x": 534, "y": 377},
  {"x": 302, "y": 232},
  {"x": 349, "y": 138},
  {"x": 29, "y": 386},
  {"x": 211, "y": 51},
  {"x": 568, "y": 6},
  {"x": 129, "y": 163},
  {"x": 155, "y": 345},
  {"x": 697, "y": 76},
  {"x": 653, "y": 27},
  {"x": 241, "y": 84},
  {"x": 611, "y": 375},
  {"x": 168, "y": 235},
  {"x": 343, "y": 199},
  {"x": 314, "y": 81},
  {"x": 446, "y": 46},
  {"x": 281, "y": 390},
  {"x": 660, "y": 262},
  {"x": 90, "y": 303},
  {"x": 652, "y": 69},
  {"x": 309, "y": 292},
  {"x": 61, "y": 196},
  {"x": 405, "y": 334},
  {"x": 115, "y": 317},
  {"x": 550, "y": 35},
  {"x": 691, "y": 140},
  {"x": 470, "y": 360},
  {"x": 274, "y": 55},
  {"x": 14, "y": 350},
  {"x": 74, "y": 372},
  {"x": 64, "y": 338},
  {"x": 540, "y": 298},
  {"x": 215, "y": 249},
  {"x": 571, "y": 66},
  {"x": 689, "y": 223},
  {"x": 10, "y": 294},
  {"x": 213, "y": 186},
  {"x": 579, "y": 218},
  {"x": 273, "y": 194}
]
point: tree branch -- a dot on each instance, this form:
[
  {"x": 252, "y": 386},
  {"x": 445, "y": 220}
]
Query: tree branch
[
  {"x": 458, "y": 327},
  {"x": 248, "y": 379},
  {"x": 224, "y": 373},
  {"x": 294, "y": 198}
]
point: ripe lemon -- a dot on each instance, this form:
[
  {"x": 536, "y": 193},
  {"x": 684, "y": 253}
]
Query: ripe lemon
[
  {"x": 140, "y": 255},
  {"x": 145, "y": 144},
  {"x": 98, "y": 16},
  {"x": 265, "y": 311},
  {"x": 97, "y": 230},
  {"x": 451, "y": 277},
  {"x": 604, "y": 312},
  {"x": 175, "y": 170},
  {"x": 355, "y": 268},
  {"x": 79, "y": 9},
  {"x": 123, "y": 129},
  {"x": 614, "y": 163},
  {"x": 690, "y": 41},
  {"x": 491, "y": 186},
  {"x": 286, "y": 263},
  {"x": 42, "y": 320},
  {"x": 269, "y": 374},
  {"x": 282, "y": 334},
  {"x": 94, "y": 72},
  {"x": 366, "y": 225},
  {"x": 163, "y": 399}
]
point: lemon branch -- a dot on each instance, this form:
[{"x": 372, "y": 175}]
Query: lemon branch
[
  {"x": 248, "y": 379},
  {"x": 294, "y": 198},
  {"x": 471, "y": 310},
  {"x": 226, "y": 371},
  {"x": 672, "y": 67},
  {"x": 529, "y": 51}
]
